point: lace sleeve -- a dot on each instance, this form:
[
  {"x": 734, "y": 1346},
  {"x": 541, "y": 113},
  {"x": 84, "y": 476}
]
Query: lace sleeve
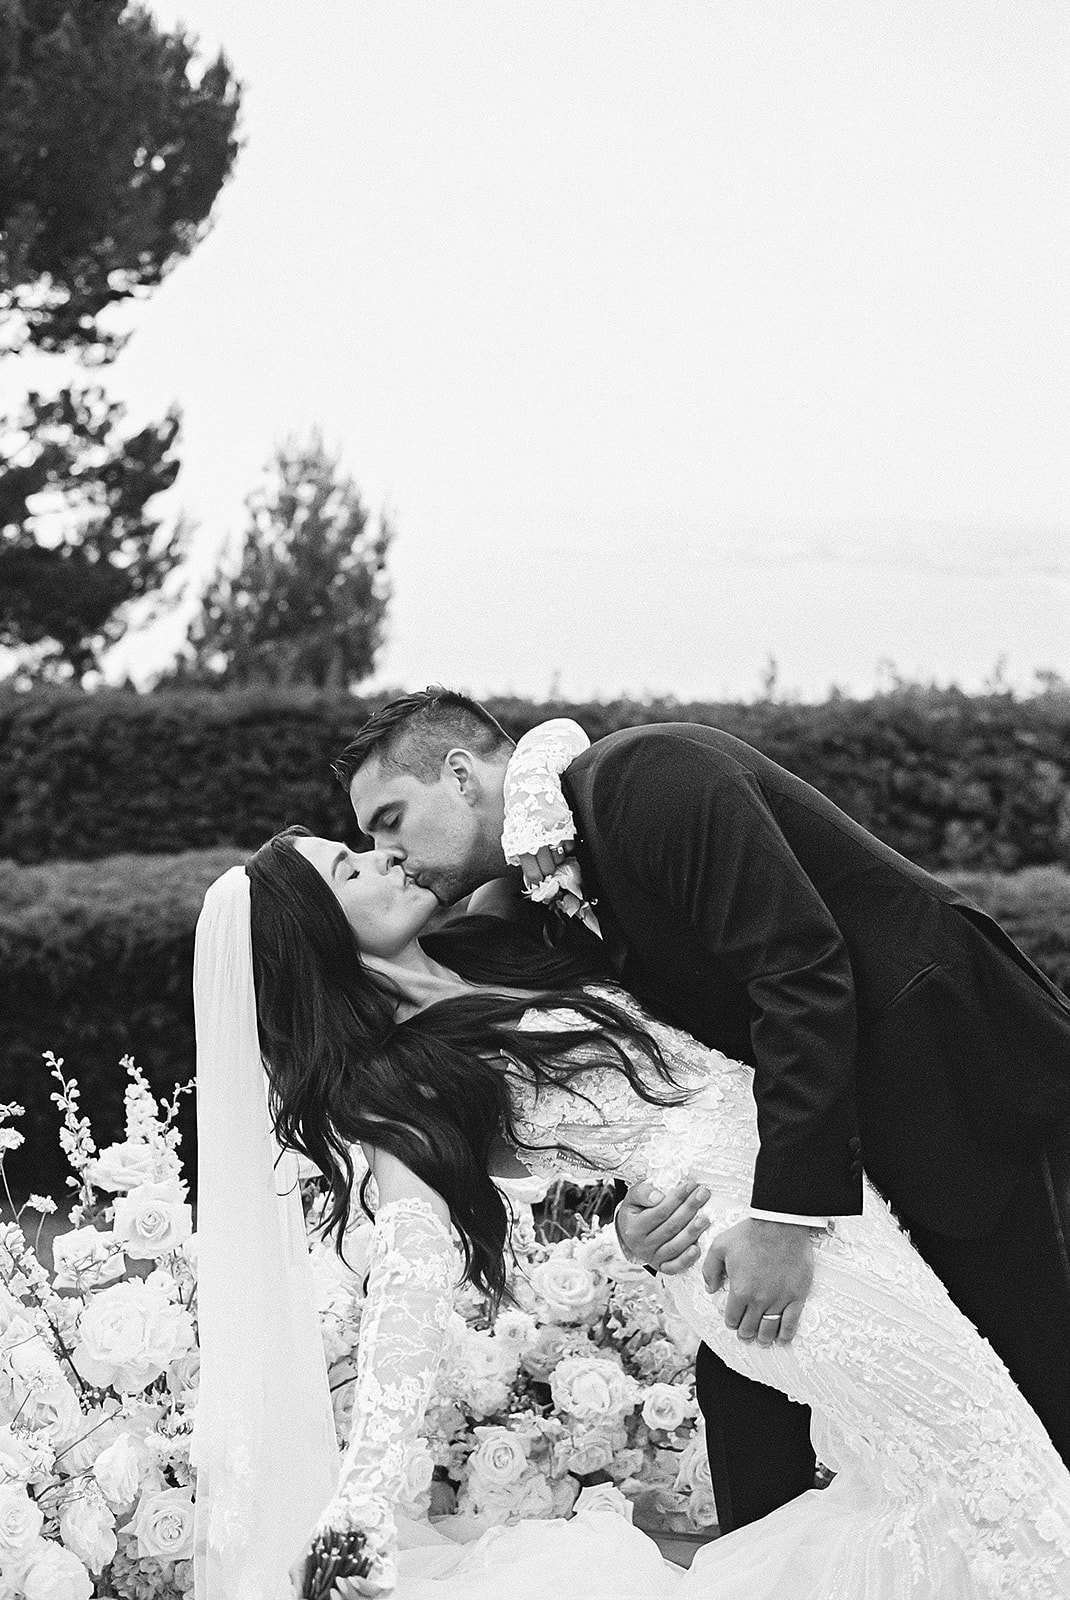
[
  {"x": 402, "y": 1333},
  {"x": 535, "y": 810}
]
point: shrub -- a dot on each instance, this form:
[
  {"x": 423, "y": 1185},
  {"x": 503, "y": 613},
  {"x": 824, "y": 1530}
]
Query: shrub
[
  {"x": 1034, "y": 908},
  {"x": 951, "y": 781},
  {"x": 96, "y": 960}
]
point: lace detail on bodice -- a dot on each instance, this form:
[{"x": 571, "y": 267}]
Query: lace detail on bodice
[
  {"x": 608, "y": 1127},
  {"x": 963, "y": 1491}
]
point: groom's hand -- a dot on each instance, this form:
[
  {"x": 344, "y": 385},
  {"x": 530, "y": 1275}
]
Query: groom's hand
[
  {"x": 660, "y": 1230},
  {"x": 769, "y": 1267}
]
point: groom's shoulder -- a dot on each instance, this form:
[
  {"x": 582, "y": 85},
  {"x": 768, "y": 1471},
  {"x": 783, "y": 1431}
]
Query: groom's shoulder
[
  {"x": 660, "y": 738},
  {"x": 657, "y": 751}
]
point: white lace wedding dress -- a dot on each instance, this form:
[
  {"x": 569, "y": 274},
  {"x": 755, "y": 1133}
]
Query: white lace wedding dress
[{"x": 947, "y": 1485}]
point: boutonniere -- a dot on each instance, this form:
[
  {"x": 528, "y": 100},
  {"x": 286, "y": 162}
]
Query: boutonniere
[{"x": 563, "y": 892}]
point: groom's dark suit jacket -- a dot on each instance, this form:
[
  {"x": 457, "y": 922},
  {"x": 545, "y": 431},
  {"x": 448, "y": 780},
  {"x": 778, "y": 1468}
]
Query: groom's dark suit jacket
[{"x": 887, "y": 1019}]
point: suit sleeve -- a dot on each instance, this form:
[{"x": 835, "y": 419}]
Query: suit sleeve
[{"x": 693, "y": 828}]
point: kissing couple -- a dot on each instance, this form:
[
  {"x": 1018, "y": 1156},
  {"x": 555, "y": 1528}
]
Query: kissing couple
[{"x": 838, "y": 1094}]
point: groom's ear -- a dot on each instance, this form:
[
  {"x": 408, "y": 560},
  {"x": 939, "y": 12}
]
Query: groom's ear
[{"x": 461, "y": 764}]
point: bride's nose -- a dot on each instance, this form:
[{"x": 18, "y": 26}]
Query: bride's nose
[{"x": 385, "y": 859}]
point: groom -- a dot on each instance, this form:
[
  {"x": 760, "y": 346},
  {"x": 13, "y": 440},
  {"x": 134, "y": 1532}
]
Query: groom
[{"x": 889, "y": 1023}]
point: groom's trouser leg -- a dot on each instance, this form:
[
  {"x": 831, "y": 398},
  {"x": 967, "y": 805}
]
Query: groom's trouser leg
[
  {"x": 1014, "y": 1285},
  {"x": 758, "y": 1442}
]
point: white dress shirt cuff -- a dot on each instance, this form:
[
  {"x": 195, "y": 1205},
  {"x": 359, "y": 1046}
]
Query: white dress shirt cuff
[{"x": 787, "y": 1216}]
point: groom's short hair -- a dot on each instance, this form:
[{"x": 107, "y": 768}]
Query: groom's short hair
[{"x": 414, "y": 732}]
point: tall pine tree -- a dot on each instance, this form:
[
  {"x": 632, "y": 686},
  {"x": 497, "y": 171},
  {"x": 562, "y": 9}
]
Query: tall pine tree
[
  {"x": 114, "y": 144},
  {"x": 113, "y": 148},
  {"x": 78, "y": 541},
  {"x": 305, "y": 602}
]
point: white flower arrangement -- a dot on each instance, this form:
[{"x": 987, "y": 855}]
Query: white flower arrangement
[
  {"x": 581, "y": 1384},
  {"x": 98, "y": 1367},
  {"x": 585, "y": 1379}
]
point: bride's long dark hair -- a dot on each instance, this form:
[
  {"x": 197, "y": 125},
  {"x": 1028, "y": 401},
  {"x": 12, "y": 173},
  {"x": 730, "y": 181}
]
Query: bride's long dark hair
[{"x": 432, "y": 1090}]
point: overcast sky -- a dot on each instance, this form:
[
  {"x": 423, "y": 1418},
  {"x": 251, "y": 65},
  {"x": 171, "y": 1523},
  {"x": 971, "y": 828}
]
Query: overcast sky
[{"x": 672, "y": 335}]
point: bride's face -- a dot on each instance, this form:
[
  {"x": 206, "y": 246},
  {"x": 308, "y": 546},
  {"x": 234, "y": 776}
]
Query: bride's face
[{"x": 384, "y": 907}]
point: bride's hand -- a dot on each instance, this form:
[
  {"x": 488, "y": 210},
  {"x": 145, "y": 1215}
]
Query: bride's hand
[
  {"x": 543, "y": 865},
  {"x": 341, "y": 1588}
]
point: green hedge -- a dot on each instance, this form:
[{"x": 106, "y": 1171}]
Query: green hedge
[
  {"x": 948, "y": 779},
  {"x": 96, "y": 960}
]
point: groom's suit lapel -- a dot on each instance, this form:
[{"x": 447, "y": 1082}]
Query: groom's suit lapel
[
  {"x": 575, "y": 786},
  {"x": 612, "y": 935}
]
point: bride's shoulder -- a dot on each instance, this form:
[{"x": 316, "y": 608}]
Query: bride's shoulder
[{"x": 546, "y": 1014}]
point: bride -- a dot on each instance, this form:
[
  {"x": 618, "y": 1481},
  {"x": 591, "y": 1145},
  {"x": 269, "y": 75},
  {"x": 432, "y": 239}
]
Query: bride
[{"x": 327, "y": 1015}]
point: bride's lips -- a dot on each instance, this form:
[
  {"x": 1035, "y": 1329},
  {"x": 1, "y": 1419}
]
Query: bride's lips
[{"x": 411, "y": 882}]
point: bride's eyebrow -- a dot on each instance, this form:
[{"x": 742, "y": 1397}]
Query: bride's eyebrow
[{"x": 341, "y": 856}]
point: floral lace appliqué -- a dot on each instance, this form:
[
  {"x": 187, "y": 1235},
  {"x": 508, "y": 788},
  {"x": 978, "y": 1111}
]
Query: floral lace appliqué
[{"x": 536, "y": 813}]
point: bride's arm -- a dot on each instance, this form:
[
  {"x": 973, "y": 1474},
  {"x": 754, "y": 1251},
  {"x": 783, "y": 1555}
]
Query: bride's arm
[
  {"x": 402, "y": 1334},
  {"x": 536, "y": 815}
]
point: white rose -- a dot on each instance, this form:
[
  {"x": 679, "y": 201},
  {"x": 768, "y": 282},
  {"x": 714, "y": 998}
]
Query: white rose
[
  {"x": 164, "y": 1282},
  {"x": 702, "y": 1509},
  {"x": 152, "y": 1220},
  {"x": 129, "y": 1334},
  {"x": 84, "y": 1258},
  {"x": 163, "y": 1524},
  {"x": 693, "y": 1472},
  {"x": 56, "y": 1574},
  {"x": 487, "y": 1368},
  {"x": 499, "y": 1460},
  {"x": 602, "y": 1497},
  {"x": 131, "y": 1163},
  {"x": 55, "y": 1412},
  {"x": 485, "y": 1399},
  {"x": 545, "y": 1349},
  {"x": 418, "y": 1471},
  {"x": 20, "y": 1518},
  {"x": 563, "y": 1492},
  {"x": 532, "y": 1498},
  {"x": 602, "y": 1254},
  {"x": 570, "y": 1291},
  {"x": 87, "y": 1527},
  {"x": 515, "y": 1328},
  {"x": 184, "y": 1377},
  {"x": 666, "y": 1406},
  {"x": 589, "y": 1389},
  {"x": 117, "y": 1469},
  {"x": 592, "y": 1451},
  {"x": 486, "y": 1357},
  {"x": 627, "y": 1463}
]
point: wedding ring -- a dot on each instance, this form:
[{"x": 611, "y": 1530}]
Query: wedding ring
[{"x": 772, "y": 1316}]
